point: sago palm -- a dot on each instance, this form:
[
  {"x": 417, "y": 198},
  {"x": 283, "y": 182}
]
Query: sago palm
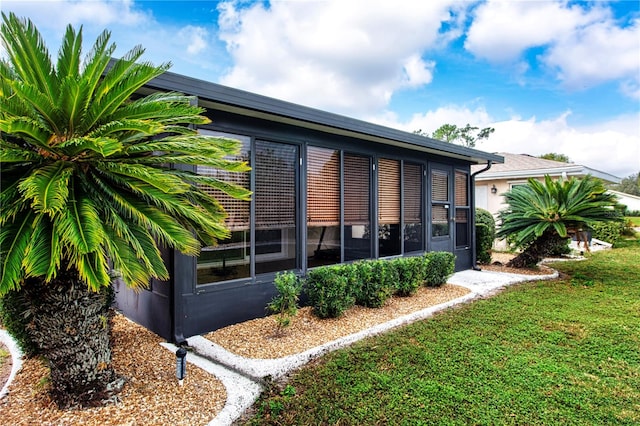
[
  {"x": 540, "y": 214},
  {"x": 86, "y": 190}
]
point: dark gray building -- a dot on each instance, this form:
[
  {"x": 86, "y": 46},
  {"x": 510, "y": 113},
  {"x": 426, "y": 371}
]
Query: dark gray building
[{"x": 327, "y": 189}]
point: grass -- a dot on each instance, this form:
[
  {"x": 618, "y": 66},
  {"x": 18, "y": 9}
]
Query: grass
[
  {"x": 561, "y": 352},
  {"x": 635, "y": 220}
]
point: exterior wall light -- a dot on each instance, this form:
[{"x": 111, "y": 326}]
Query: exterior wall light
[{"x": 494, "y": 190}]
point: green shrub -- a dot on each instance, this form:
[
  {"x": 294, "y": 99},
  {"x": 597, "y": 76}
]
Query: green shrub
[
  {"x": 440, "y": 266},
  {"x": 607, "y": 231},
  {"x": 485, "y": 235},
  {"x": 328, "y": 289},
  {"x": 411, "y": 271},
  {"x": 376, "y": 282},
  {"x": 285, "y": 304},
  {"x": 14, "y": 317}
]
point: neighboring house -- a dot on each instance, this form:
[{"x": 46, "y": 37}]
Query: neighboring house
[
  {"x": 326, "y": 189},
  {"x": 631, "y": 201},
  {"x": 516, "y": 170}
]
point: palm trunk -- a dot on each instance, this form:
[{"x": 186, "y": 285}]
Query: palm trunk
[
  {"x": 536, "y": 251},
  {"x": 70, "y": 324}
]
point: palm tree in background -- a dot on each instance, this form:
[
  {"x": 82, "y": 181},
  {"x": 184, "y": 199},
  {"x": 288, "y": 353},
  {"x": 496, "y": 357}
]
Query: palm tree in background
[
  {"x": 87, "y": 191},
  {"x": 541, "y": 215}
]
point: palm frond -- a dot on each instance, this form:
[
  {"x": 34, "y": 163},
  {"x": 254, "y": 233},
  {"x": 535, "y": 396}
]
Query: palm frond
[
  {"x": 10, "y": 153},
  {"x": 93, "y": 269},
  {"x": 28, "y": 54},
  {"x": 155, "y": 177},
  {"x": 80, "y": 226},
  {"x": 68, "y": 64},
  {"x": 48, "y": 187},
  {"x": 100, "y": 145},
  {"x": 119, "y": 83},
  {"x": 26, "y": 128},
  {"x": 40, "y": 103},
  {"x": 194, "y": 144},
  {"x": 125, "y": 260},
  {"x": 44, "y": 252},
  {"x": 137, "y": 261},
  {"x": 72, "y": 102},
  {"x": 118, "y": 127},
  {"x": 14, "y": 240},
  {"x": 237, "y": 192},
  {"x": 169, "y": 231}
]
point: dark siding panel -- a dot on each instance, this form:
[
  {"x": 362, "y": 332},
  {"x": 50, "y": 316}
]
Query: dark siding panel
[{"x": 209, "y": 311}]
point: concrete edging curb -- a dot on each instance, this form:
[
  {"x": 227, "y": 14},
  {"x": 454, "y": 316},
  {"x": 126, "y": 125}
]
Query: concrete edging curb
[{"x": 16, "y": 359}]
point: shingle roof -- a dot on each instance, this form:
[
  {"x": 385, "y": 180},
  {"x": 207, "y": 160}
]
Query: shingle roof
[{"x": 522, "y": 166}]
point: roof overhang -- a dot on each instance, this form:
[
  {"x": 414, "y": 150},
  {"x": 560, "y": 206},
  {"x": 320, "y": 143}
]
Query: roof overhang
[
  {"x": 570, "y": 170},
  {"x": 223, "y": 98}
]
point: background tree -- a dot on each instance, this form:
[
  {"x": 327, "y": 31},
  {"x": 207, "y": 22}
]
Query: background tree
[
  {"x": 555, "y": 157},
  {"x": 629, "y": 185},
  {"x": 85, "y": 191},
  {"x": 539, "y": 215},
  {"x": 466, "y": 136}
]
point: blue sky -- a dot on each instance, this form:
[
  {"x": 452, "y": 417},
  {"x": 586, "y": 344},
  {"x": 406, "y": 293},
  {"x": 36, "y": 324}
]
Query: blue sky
[{"x": 549, "y": 76}]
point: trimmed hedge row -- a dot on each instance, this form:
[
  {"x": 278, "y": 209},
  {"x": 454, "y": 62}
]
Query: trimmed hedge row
[{"x": 334, "y": 289}]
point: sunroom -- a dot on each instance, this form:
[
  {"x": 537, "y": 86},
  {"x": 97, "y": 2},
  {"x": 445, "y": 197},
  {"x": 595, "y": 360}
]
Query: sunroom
[{"x": 327, "y": 189}]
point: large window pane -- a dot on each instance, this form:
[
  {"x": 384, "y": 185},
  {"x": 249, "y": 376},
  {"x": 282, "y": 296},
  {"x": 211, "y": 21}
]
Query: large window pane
[
  {"x": 412, "y": 215},
  {"x": 357, "y": 225},
  {"x": 388, "y": 207},
  {"x": 323, "y": 206},
  {"x": 275, "y": 198},
  {"x": 229, "y": 259}
]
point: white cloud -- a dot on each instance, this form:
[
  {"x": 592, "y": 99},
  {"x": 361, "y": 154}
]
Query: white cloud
[
  {"x": 343, "y": 56},
  {"x": 418, "y": 72},
  {"x": 190, "y": 48},
  {"x": 195, "y": 38},
  {"x": 582, "y": 45},
  {"x": 599, "y": 52},
  {"x": 502, "y": 30},
  {"x": 429, "y": 121},
  {"x": 57, "y": 14},
  {"x": 612, "y": 146}
]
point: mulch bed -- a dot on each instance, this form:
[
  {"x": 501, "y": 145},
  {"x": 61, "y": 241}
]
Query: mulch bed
[
  {"x": 151, "y": 395},
  {"x": 258, "y": 338}
]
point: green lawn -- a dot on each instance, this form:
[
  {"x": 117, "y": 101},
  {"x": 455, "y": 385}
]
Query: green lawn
[
  {"x": 564, "y": 352},
  {"x": 635, "y": 220}
]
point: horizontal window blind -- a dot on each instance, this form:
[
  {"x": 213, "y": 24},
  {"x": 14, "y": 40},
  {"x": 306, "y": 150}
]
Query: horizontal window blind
[
  {"x": 412, "y": 174},
  {"x": 275, "y": 194},
  {"x": 388, "y": 191},
  {"x": 237, "y": 210},
  {"x": 462, "y": 193},
  {"x": 439, "y": 185},
  {"x": 356, "y": 189},
  {"x": 439, "y": 214},
  {"x": 323, "y": 187}
]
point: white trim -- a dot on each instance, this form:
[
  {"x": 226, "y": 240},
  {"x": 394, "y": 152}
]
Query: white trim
[{"x": 572, "y": 170}]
